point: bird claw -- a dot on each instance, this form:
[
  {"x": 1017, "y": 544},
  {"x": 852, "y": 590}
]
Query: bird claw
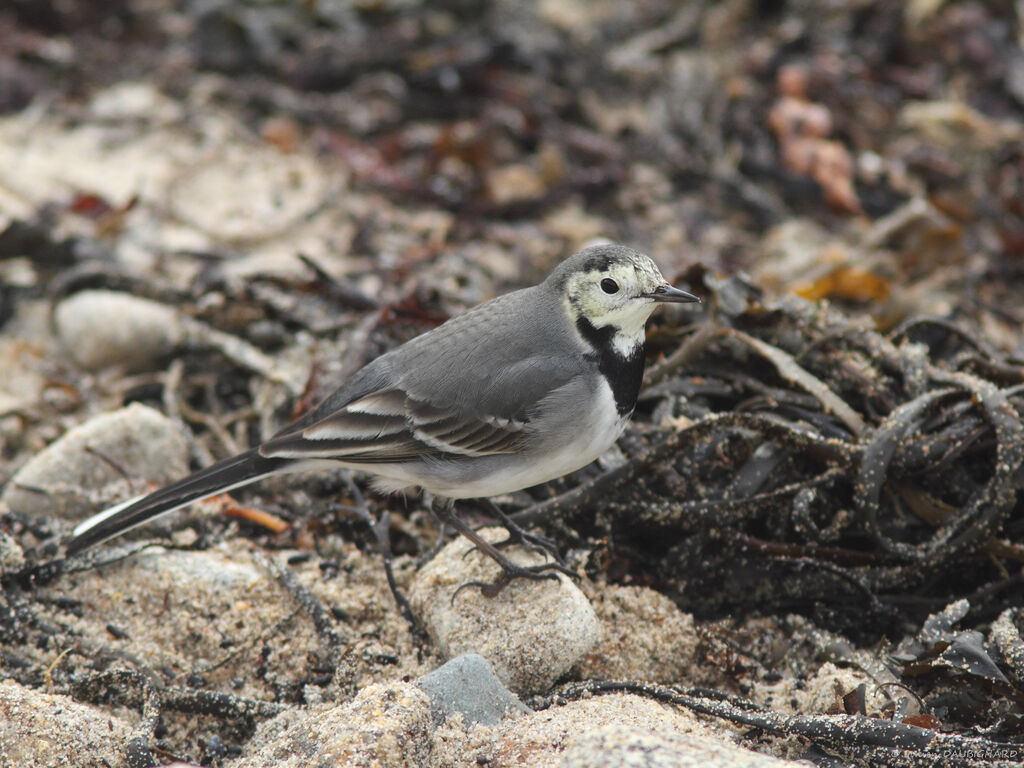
[
  {"x": 509, "y": 572},
  {"x": 509, "y": 569}
]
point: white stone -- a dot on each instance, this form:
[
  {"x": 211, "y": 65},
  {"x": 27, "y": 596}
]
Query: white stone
[
  {"x": 532, "y": 632},
  {"x": 108, "y": 458},
  {"x": 101, "y": 328}
]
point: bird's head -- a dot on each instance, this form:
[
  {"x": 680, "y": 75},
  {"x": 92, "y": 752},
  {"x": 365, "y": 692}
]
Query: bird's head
[{"x": 615, "y": 288}]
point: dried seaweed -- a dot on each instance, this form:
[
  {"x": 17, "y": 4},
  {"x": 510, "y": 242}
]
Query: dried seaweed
[
  {"x": 867, "y": 523},
  {"x": 898, "y": 471}
]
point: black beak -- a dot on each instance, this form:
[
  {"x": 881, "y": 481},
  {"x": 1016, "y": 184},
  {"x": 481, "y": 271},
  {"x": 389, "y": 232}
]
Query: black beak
[{"x": 666, "y": 293}]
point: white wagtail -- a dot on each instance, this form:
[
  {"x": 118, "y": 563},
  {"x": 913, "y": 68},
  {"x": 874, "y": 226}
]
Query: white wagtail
[{"x": 517, "y": 391}]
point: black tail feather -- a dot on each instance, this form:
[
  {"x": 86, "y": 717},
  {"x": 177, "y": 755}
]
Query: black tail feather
[{"x": 230, "y": 473}]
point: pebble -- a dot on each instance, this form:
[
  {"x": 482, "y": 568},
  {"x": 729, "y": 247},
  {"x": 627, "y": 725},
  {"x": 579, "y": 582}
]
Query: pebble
[
  {"x": 12, "y": 556},
  {"x": 624, "y": 746},
  {"x": 644, "y": 636},
  {"x": 102, "y": 328},
  {"x": 532, "y": 632},
  {"x": 106, "y": 459},
  {"x": 468, "y": 685},
  {"x": 384, "y": 726},
  {"x": 640, "y": 732}
]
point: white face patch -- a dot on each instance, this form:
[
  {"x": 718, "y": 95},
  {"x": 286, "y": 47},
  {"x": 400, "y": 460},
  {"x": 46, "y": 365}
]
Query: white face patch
[{"x": 626, "y": 308}]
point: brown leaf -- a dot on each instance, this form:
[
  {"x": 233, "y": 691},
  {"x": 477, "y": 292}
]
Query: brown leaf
[{"x": 851, "y": 283}]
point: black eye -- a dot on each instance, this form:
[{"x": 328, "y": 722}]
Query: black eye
[{"x": 609, "y": 286}]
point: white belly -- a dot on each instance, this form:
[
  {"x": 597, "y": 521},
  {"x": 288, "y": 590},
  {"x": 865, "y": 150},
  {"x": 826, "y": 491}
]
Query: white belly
[{"x": 590, "y": 434}]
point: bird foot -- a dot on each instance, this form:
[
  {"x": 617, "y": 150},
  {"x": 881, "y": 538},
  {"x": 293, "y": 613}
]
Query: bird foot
[
  {"x": 517, "y": 535},
  {"x": 510, "y": 572},
  {"x": 532, "y": 541}
]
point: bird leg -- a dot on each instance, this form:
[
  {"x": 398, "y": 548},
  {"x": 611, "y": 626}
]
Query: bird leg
[
  {"x": 381, "y": 530},
  {"x": 518, "y": 535},
  {"x": 509, "y": 570}
]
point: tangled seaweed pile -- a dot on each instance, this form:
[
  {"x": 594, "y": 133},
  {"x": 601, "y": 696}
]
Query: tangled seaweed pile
[{"x": 867, "y": 481}]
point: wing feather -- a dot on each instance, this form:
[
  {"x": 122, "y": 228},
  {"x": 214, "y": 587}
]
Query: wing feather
[
  {"x": 355, "y": 425},
  {"x": 389, "y": 425}
]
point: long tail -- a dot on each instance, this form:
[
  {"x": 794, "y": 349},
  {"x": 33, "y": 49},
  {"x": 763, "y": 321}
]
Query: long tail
[{"x": 230, "y": 473}]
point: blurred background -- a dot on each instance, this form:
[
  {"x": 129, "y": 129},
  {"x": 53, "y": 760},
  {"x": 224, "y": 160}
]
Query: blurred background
[{"x": 869, "y": 152}]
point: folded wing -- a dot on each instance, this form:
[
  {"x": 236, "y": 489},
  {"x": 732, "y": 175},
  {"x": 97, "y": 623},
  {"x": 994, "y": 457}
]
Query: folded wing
[{"x": 390, "y": 425}]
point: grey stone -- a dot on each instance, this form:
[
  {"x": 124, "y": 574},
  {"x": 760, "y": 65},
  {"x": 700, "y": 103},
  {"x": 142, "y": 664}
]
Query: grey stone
[
  {"x": 532, "y": 632},
  {"x": 108, "y": 458},
  {"x": 467, "y": 684},
  {"x": 101, "y": 328}
]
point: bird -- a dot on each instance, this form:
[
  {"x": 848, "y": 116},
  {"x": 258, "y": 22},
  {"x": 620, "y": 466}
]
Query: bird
[{"x": 517, "y": 391}]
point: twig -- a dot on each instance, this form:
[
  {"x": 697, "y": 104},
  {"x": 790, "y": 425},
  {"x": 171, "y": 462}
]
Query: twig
[
  {"x": 322, "y": 620},
  {"x": 343, "y": 292},
  {"x": 690, "y": 350},
  {"x": 381, "y": 530},
  {"x": 243, "y": 353}
]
